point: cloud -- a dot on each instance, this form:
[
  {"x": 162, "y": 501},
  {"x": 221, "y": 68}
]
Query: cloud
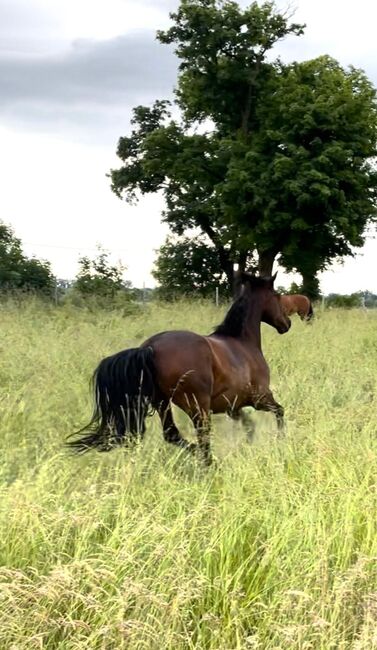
[
  {"x": 93, "y": 83},
  {"x": 42, "y": 25},
  {"x": 85, "y": 89}
]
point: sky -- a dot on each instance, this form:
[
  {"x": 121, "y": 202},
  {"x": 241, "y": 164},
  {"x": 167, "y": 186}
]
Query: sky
[{"x": 70, "y": 73}]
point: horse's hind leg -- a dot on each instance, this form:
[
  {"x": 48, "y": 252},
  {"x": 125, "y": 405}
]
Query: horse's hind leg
[
  {"x": 170, "y": 429},
  {"x": 197, "y": 404},
  {"x": 246, "y": 421},
  {"x": 202, "y": 423},
  {"x": 248, "y": 424}
]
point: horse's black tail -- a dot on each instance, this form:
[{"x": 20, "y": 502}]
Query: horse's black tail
[
  {"x": 310, "y": 314},
  {"x": 124, "y": 389}
]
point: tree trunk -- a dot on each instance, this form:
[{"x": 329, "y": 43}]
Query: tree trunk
[
  {"x": 266, "y": 262},
  {"x": 228, "y": 270},
  {"x": 242, "y": 259},
  {"x": 226, "y": 263},
  {"x": 310, "y": 285}
]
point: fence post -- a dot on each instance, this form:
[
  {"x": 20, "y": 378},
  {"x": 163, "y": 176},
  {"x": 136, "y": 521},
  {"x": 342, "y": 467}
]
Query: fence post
[{"x": 236, "y": 281}]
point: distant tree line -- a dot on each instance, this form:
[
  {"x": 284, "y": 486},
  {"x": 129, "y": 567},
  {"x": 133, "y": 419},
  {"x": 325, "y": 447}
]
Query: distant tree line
[
  {"x": 186, "y": 269},
  {"x": 97, "y": 281},
  {"x": 358, "y": 299}
]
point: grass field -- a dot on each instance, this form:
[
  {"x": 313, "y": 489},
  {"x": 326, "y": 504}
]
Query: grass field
[{"x": 276, "y": 548}]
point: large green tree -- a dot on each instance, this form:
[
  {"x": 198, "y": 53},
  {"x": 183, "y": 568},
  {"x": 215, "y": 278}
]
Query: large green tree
[
  {"x": 266, "y": 158},
  {"x": 314, "y": 157}
]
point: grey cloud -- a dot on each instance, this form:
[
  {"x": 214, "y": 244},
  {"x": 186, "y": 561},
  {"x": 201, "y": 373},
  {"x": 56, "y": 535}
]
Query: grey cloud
[{"x": 92, "y": 81}]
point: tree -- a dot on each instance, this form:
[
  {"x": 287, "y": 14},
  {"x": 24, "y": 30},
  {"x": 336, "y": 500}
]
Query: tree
[
  {"x": 222, "y": 51},
  {"x": 18, "y": 271},
  {"x": 344, "y": 301},
  {"x": 323, "y": 128},
  {"x": 99, "y": 278},
  {"x": 188, "y": 266},
  {"x": 284, "y": 167}
]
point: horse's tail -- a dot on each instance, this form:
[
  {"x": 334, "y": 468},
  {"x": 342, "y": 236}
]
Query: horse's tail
[
  {"x": 124, "y": 389},
  {"x": 310, "y": 314}
]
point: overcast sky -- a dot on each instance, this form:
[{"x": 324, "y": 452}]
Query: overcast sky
[{"x": 70, "y": 73}]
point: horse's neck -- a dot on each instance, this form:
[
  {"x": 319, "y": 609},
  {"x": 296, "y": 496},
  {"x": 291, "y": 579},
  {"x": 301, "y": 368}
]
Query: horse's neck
[{"x": 252, "y": 327}]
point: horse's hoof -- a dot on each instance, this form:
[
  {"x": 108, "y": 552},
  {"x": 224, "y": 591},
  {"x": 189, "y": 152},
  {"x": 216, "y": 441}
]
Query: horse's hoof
[
  {"x": 212, "y": 462},
  {"x": 250, "y": 437}
]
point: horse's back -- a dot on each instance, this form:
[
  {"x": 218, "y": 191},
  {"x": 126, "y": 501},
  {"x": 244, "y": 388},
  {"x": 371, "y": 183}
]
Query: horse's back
[
  {"x": 174, "y": 338},
  {"x": 296, "y": 304}
]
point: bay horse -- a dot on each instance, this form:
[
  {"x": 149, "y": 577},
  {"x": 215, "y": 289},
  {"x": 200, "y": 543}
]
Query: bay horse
[
  {"x": 219, "y": 373},
  {"x": 295, "y": 303}
]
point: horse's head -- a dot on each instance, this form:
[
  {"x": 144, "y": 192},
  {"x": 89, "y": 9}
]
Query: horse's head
[{"x": 272, "y": 309}]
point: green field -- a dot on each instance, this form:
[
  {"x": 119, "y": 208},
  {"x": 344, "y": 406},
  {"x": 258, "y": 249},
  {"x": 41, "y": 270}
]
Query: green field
[{"x": 275, "y": 548}]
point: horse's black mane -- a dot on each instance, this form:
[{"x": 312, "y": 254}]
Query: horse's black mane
[{"x": 234, "y": 320}]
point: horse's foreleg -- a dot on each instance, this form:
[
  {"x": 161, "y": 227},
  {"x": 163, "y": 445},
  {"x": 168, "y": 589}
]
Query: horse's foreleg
[
  {"x": 266, "y": 402},
  {"x": 170, "y": 429}
]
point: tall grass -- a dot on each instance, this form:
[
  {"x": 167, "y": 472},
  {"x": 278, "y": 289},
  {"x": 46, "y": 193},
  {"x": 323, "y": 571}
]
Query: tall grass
[{"x": 274, "y": 549}]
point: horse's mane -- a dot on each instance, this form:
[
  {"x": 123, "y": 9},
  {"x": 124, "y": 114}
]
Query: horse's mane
[{"x": 234, "y": 320}]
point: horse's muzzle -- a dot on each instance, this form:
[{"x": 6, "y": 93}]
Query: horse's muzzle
[{"x": 285, "y": 328}]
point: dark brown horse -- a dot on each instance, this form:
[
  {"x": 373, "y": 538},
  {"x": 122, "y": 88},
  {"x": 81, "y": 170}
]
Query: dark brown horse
[
  {"x": 220, "y": 373},
  {"x": 295, "y": 303}
]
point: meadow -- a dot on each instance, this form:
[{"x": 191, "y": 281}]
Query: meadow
[{"x": 275, "y": 548}]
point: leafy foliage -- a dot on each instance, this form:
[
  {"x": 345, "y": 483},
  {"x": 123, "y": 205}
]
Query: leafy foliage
[
  {"x": 188, "y": 266},
  {"x": 222, "y": 50},
  {"x": 324, "y": 133},
  {"x": 18, "y": 271},
  {"x": 99, "y": 278},
  {"x": 365, "y": 299}
]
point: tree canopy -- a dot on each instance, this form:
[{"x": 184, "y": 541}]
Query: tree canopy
[
  {"x": 99, "y": 278},
  {"x": 267, "y": 159},
  {"x": 17, "y": 271},
  {"x": 188, "y": 266}
]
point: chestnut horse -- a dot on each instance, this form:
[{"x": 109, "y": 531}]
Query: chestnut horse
[
  {"x": 295, "y": 303},
  {"x": 219, "y": 373}
]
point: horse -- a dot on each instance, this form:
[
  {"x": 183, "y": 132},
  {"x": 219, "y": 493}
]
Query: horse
[
  {"x": 297, "y": 304},
  {"x": 219, "y": 373}
]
